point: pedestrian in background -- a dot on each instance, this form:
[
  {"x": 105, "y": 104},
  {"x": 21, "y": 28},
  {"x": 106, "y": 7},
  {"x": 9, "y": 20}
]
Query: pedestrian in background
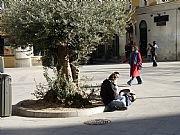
[
  {"x": 149, "y": 57},
  {"x": 154, "y": 53},
  {"x": 135, "y": 61}
]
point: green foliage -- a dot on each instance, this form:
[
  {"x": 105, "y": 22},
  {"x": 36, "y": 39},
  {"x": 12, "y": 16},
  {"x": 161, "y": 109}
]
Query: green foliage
[
  {"x": 77, "y": 100},
  {"x": 62, "y": 91},
  {"x": 57, "y": 83},
  {"x": 76, "y": 26},
  {"x": 79, "y": 24},
  {"x": 62, "y": 86},
  {"x": 41, "y": 90}
]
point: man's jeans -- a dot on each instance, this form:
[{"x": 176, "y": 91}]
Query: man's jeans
[{"x": 120, "y": 102}]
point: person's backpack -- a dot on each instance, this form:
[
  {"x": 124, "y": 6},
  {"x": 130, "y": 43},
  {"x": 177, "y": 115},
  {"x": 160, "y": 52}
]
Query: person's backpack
[{"x": 127, "y": 92}]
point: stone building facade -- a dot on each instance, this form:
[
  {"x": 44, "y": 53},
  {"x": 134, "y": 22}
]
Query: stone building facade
[{"x": 158, "y": 21}]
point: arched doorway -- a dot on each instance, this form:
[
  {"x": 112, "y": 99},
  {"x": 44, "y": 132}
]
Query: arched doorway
[{"x": 143, "y": 37}]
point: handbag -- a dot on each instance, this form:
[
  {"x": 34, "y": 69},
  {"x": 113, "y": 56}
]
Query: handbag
[{"x": 139, "y": 67}]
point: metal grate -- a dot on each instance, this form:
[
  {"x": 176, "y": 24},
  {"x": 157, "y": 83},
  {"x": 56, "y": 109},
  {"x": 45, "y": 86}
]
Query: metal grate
[{"x": 97, "y": 122}]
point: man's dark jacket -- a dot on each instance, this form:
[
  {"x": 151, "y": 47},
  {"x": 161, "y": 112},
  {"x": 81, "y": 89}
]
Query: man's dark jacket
[{"x": 107, "y": 91}]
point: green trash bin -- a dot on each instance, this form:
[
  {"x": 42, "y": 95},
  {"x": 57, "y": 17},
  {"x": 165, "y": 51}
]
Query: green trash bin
[{"x": 5, "y": 95}]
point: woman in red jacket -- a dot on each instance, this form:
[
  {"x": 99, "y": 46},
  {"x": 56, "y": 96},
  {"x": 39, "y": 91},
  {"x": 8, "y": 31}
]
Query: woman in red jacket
[{"x": 134, "y": 61}]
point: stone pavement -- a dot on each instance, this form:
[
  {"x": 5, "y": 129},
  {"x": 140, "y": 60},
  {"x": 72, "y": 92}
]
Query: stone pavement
[{"x": 155, "y": 112}]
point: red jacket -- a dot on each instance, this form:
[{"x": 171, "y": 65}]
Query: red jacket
[{"x": 134, "y": 72}]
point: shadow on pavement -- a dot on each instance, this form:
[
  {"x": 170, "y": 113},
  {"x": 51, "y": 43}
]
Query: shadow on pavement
[
  {"x": 159, "y": 97},
  {"x": 164, "y": 125}
]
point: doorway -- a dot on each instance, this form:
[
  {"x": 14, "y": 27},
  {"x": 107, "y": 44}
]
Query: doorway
[{"x": 143, "y": 38}]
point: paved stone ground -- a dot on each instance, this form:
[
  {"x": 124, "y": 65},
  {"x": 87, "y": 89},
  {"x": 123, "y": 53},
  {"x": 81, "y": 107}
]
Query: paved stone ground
[{"x": 155, "y": 112}]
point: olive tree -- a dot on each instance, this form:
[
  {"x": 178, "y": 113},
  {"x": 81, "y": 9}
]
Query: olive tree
[{"x": 68, "y": 30}]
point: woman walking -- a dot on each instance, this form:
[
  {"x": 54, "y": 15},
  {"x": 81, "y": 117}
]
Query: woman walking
[{"x": 135, "y": 61}]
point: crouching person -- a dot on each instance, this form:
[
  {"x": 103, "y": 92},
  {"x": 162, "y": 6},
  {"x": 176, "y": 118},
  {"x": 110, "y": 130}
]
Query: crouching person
[{"x": 111, "y": 97}]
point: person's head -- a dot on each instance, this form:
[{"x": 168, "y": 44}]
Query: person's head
[
  {"x": 154, "y": 42},
  {"x": 114, "y": 76},
  {"x": 134, "y": 48}
]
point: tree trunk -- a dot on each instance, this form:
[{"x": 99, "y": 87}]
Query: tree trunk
[
  {"x": 75, "y": 73},
  {"x": 70, "y": 70},
  {"x": 63, "y": 61}
]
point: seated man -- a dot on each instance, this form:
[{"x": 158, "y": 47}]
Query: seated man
[{"x": 112, "y": 99}]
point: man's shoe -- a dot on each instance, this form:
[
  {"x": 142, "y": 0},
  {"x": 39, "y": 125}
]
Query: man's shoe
[{"x": 139, "y": 82}]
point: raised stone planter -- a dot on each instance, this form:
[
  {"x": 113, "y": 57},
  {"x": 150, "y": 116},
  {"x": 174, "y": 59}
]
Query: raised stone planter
[{"x": 20, "y": 111}]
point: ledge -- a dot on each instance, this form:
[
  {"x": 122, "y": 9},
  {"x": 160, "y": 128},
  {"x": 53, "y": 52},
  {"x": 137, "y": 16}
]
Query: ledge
[{"x": 25, "y": 112}]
